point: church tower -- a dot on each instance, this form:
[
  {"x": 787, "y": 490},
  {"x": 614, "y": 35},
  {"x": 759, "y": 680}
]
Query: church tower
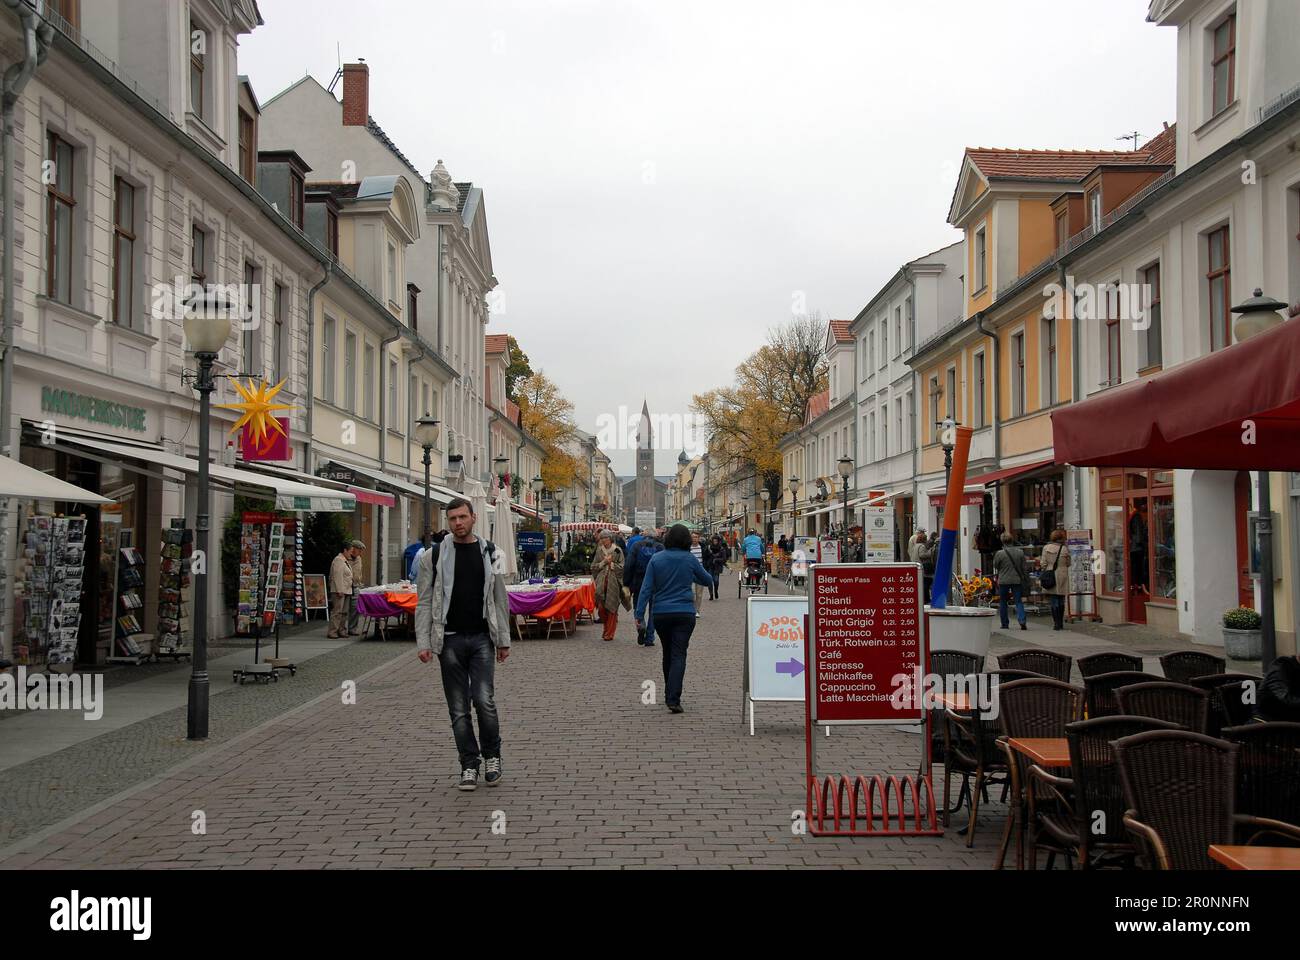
[{"x": 645, "y": 461}]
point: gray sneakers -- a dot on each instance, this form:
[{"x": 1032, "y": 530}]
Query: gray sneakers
[
  {"x": 468, "y": 779},
  {"x": 492, "y": 770}
]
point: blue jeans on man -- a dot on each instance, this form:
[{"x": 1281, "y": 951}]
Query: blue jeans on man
[
  {"x": 468, "y": 662},
  {"x": 1005, "y": 592}
]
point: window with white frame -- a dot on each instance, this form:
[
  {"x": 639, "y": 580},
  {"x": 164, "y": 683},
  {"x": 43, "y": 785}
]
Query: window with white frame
[
  {"x": 368, "y": 382},
  {"x": 1048, "y": 343},
  {"x": 1223, "y": 64},
  {"x": 1150, "y": 346},
  {"x": 393, "y": 371},
  {"x": 392, "y": 274},
  {"x": 884, "y": 342},
  {"x": 981, "y": 259},
  {"x": 1018, "y": 374},
  {"x": 871, "y": 437},
  {"x": 328, "y": 361},
  {"x": 884, "y": 432},
  {"x": 980, "y": 396},
  {"x": 61, "y": 202},
  {"x": 1111, "y": 367},
  {"x": 904, "y": 441},
  {"x": 350, "y": 372},
  {"x": 936, "y": 396},
  {"x": 280, "y": 306},
  {"x": 950, "y": 407}
]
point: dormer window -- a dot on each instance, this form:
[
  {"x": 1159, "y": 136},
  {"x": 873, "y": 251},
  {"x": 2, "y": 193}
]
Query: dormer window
[
  {"x": 247, "y": 148},
  {"x": 981, "y": 259},
  {"x": 332, "y": 231},
  {"x": 295, "y": 204},
  {"x": 1223, "y": 64}
]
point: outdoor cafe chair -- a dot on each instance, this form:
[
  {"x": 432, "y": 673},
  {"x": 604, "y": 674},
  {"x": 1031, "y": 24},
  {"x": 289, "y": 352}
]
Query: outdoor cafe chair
[
  {"x": 1180, "y": 789},
  {"x": 1182, "y": 665},
  {"x": 1098, "y": 663},
  {"x": 1175, "y": 702},
  {"x": 970, "y": 747},
  {"x": 1032, "y": 708},
  {"x": 1229, "y": 704},
  {"x": 1268, "y": 770},
  {"x": 1046, "y": 662},
  {"x": 1101, "y": 690},
  {"x": 949, "y": 664},
  {"x": 1082, "y": 816}
]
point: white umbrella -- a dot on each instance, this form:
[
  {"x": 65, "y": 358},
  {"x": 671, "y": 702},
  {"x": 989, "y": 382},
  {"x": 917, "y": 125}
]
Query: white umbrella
[
  {"x": 19, "y": 480},
  {"x": 504, "y": 535},
  {"x": 476, "y": 494}
]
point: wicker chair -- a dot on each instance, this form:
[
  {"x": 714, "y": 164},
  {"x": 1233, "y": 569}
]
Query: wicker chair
[
  {"x": 949, "y": 664},
  {"x": 1101, "y": 690},
  {"x": 1173, "y": 702},
  {"x": 1054, "y": 665},
  {"x": 1096, "y": 663},
  {"x": 1182, "y": 665},
  {"x": 970, "y": 747},
  {"x": 1179, "y": 787},
  {"x": 1063, "y": 811},
  {"x": 1229, "y": 705},
  {"x": 1268, "y": 770},
  {"x": 1031, "y": 708}
]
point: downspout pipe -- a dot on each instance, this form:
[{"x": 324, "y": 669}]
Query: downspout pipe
[
  {"x": 381, "y": 554},
  {"x": 311, "y": 365},
  {"x": 1076, "y": 375},
  {"x": 997, "y": 406},
  {"x": 37, "y": 37}
]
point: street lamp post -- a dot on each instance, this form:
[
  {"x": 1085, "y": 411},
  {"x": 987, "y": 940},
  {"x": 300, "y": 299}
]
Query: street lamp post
[
  {"x": 846, "y": 468},
  {"x": 207, "y": 325},
  {"x": 1256, "y": 315},
  {"x": 767, "y": 517},
  {"x": 794, "y": 507},
  {"x": 426, "y": 435}
]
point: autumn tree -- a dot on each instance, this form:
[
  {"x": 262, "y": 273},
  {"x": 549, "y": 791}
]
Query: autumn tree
[
  {"x": 747, "y": 420},
  {"x": 517, "y": 369},
  {"x": 548, "y": 417}
]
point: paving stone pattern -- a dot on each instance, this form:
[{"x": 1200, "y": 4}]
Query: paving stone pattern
[{"x": 594, "y": 778}]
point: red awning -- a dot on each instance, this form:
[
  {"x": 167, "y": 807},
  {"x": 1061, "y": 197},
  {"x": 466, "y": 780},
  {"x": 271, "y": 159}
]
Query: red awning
[
  {"x": 373, "y": 496},
  {"x": 985, "y": 479},
  {"x": 1236, "y": 409}
]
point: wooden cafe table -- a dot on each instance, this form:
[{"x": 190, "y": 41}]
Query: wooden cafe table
[
  {"x": 1044, "y": 751},
  {"x": 1256, "y": 858}
]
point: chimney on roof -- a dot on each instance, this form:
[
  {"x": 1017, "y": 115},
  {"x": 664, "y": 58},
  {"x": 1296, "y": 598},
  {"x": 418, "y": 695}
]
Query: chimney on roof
[{"x": 356, "y": 94}]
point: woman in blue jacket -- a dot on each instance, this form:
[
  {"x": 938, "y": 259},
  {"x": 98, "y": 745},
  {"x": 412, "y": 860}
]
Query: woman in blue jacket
[{"x": 669, "y": 590}]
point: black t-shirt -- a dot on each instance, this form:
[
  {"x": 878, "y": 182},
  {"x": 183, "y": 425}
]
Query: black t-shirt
[{"x": 465, "y": 612}]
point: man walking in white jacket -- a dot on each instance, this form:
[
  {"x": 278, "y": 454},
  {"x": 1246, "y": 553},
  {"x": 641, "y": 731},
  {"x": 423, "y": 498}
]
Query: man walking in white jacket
[{"x": 462, "y": 618}]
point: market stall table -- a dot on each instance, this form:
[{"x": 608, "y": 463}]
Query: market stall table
[
  {"x": 1256, "y": 858},
  {"x": 560, "y": 601},
  {"x": 387, "y": 601}
]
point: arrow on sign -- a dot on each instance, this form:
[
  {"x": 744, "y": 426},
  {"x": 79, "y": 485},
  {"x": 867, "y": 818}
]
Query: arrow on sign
[{"x": 791, "y": 666}]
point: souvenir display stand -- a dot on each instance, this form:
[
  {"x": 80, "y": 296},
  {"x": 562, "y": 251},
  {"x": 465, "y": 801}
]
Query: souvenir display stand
[{"x": 174, "y": 622}]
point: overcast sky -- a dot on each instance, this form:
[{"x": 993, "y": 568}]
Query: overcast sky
[{"x": 663, "y": 178}]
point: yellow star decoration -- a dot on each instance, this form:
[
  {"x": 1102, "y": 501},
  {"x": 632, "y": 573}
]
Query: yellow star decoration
[{"x": 258, "y": 412}]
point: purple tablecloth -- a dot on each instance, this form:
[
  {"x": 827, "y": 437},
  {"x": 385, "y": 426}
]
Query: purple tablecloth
[
  {"x": 531, "y": 602},
  {"x": 376, "y": 605}
]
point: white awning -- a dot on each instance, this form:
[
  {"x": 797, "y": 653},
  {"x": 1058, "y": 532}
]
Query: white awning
[
  {"x": 287, "y": 494},
  {"x": 19, "y": 480}
]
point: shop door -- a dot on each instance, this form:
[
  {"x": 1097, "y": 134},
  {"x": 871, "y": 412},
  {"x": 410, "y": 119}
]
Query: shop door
[
  {"x": 1138, "y": 548},
  {"x": 1245, "y": 585}
]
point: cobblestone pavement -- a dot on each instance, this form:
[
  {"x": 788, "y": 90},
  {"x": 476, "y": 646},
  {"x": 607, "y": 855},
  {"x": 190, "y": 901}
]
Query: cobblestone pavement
[
  {"x": 48, "y": 789},
  {"x": 594, "y": 778}
]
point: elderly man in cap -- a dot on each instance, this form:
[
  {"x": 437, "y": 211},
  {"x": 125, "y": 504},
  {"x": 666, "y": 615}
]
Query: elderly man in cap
[{"x": 345, "y": 580}]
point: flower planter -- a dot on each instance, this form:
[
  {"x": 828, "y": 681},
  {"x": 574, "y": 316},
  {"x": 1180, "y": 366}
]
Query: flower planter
[
  {"x": 1242, "y": 644},
  {"x": 967, "y": 629}
]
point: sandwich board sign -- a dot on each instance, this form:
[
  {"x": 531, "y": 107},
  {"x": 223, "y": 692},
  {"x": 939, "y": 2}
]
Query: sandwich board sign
[{"x": 774, "y": 651}]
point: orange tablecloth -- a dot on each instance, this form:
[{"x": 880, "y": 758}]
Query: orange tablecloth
[{"x": 569, "y": 602}]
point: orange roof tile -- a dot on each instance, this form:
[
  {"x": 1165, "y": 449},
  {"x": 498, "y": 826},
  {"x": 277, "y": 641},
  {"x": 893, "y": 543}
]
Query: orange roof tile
[
  {"x": 1163, "y": 145},
  {"x": 512, "y": 411},
  {"x": 817, "y": 405},
  {"x": 496, "y": 343},
  {"x": 840, "y": 329},
  {"x": 1047, "y": 164}
]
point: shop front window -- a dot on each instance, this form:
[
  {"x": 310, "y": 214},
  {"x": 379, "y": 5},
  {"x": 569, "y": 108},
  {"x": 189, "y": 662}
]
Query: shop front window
[
  {"x": 1162, "y": 542},
  {"x": 1113, "y": 537}
]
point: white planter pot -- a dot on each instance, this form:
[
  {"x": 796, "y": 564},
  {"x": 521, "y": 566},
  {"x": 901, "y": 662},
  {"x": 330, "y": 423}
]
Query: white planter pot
[{"x": 967, "y": 629}]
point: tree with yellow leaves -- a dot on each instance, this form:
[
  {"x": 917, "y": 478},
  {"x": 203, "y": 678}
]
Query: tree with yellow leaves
[{"x": 548, "y": 417}]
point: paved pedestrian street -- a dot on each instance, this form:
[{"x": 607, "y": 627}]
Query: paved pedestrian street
[{"x": 594, "y": 778}]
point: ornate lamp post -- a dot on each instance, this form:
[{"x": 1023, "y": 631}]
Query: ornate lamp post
[
  {"x": 1256, "y": 315},
  {"x": 426, "y": 435},
  {"x": 767, "y": 517},
  {"x": 207, "y": 325}
]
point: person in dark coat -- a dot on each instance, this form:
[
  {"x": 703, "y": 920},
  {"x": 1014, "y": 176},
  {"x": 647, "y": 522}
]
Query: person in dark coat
[
  {"x": 1279, "y": 695},
  {"x": 633, "y": 575}
]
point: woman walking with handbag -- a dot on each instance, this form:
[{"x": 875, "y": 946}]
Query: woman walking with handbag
[
  {"x": 607, "y": 574},
  {"x": 1055, "y": 576}
]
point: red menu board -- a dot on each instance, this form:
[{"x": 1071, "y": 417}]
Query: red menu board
[{"x": 865, "y": 628}]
